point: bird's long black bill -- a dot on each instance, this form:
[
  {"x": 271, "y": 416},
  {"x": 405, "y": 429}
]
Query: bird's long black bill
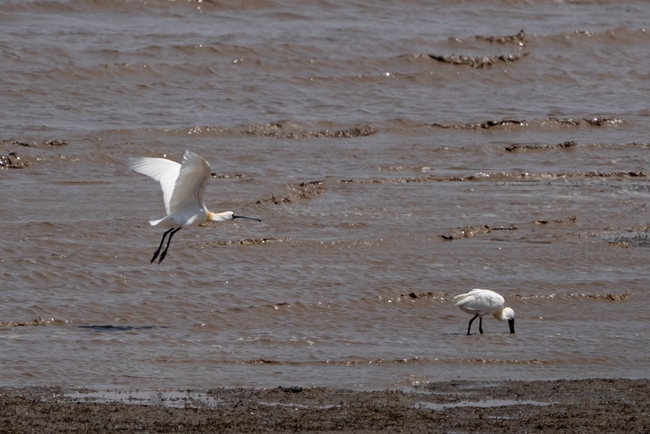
[
  {"x": 511, "y": 324},
  {"x": 235, "y": 216}
]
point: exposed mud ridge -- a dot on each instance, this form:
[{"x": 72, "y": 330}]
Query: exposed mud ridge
[
  {"x": 593, "y": 405},
  {"x": 638, "y": 237},
  {"x": 518, "y": 147},
  {"x": 598, "y": 174},
  {"x": 34, "y": 144},
  {"x": 497, "y": 176},
  {"x": 607, "y": 297},
  {"x": 520, "y": 38},
  {"x": 568, "y": 220},
  {"x": 33, "y": 323},
  {"x": 598, "y": 122},
  {"x": 223, "y": 176},
  {"x": 412, "y": 296},
  {"x": 504, "y": 362},
  {"x": 470, "y": 231},
  {"x": 299, "y": 191},
  {"x": 291, "y": 131},
  {"x": 478, "y": 62},
  {"x": 12, "y": 161},
  {"x": 435, "y": 295},
  {"x": 245, "y": 241},
  {"x": 480, "y": 125}
]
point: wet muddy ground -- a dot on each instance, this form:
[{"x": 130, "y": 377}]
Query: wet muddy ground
[{"x": 461, "y": 407}]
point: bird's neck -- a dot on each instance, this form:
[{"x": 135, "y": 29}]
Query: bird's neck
[
  {"x": 219, "y": 216},
  {"x": 499, "y": 315}
]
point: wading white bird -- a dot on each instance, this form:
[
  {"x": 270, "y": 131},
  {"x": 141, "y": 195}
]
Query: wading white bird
[
  {"x": 479, "y": 302},
  {"x": 183, "y": 186}
]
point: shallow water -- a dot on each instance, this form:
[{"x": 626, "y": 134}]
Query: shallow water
[{"x": 387, "y": 182}]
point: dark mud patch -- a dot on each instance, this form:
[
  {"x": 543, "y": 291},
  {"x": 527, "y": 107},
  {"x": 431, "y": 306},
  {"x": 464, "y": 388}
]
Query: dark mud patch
[
  {"x": 288, "y": 130},
  {"x": 520, "y": 39},
  {"x": 298, "y": 191},
  {"x": 478, "y": 62},
  {"x": 594, "y": 405}
]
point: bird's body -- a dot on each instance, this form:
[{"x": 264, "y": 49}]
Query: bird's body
[
  {"x": 480, "y": 302},
  {"x": 183, "y": 186}
]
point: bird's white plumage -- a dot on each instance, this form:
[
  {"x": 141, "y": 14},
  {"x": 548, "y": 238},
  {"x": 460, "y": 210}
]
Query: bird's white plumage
[
  {"x": 190, "y": 184},
  {"x": 480, "y": 301},
  {"x": 162, "y": 170},
  {"x": 183, "y": 187}
]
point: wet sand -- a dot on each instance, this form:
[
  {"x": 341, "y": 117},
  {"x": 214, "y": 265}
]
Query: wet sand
[{"x": 594, "y": 405}]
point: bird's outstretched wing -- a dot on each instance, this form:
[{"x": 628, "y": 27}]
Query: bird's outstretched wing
[
  {"x": 190, "y": 184},
  {"x": 162, "y": 170}
]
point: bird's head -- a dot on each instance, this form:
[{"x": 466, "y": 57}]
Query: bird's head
[{"x": 509, "y": 315}]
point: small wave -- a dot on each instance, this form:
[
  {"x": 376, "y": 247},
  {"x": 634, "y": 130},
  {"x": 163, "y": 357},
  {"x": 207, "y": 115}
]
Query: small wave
[{"x": 113, "y": 328}]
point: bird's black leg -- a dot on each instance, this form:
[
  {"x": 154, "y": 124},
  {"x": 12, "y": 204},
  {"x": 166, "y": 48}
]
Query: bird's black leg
[
  {"x": 169, "y": 240},
  {"x": 470, "y": 324},
  {"x": 155, "y": 255},
  {"x": 480, "y": 325}
]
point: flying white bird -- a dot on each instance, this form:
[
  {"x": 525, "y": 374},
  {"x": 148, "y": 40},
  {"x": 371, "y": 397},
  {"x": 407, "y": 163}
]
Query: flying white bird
[
  {"x": 479, "y": 302},
  {"x": 183, "y": 186}
]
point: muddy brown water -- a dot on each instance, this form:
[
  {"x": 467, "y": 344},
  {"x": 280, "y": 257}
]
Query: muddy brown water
[{"x": 397, "y": 154}]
